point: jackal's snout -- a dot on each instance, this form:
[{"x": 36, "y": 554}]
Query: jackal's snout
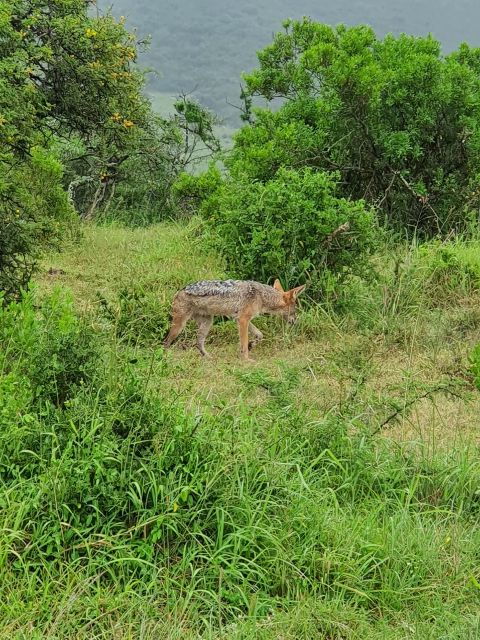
[{"x": 291, "y": 318}]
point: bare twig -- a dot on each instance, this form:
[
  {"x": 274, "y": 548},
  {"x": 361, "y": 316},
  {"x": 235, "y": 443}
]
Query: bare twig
[{"x": 447, "y": 387}]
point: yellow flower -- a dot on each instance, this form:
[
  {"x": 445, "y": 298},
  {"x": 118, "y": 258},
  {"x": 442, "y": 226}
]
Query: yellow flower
[
  {"x": 116, "y": 116},
  {"x": 127, "y": 123},
  {"x": 90, "y": 33},
  {"x": 175, "y": 507},
  {"x": 2, "y": 121}
]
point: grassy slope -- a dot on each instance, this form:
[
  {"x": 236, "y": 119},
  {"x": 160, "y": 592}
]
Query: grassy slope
[{"x": 359, "y": 541}]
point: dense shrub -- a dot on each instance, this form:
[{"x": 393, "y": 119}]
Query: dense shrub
[{"x": 294, "y": 227}]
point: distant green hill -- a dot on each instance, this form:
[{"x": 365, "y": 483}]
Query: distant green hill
[{"x": 204, "y": 45}]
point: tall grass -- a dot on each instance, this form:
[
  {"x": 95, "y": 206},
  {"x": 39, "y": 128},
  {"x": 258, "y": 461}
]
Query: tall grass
[{"x": 130, "y": 511}]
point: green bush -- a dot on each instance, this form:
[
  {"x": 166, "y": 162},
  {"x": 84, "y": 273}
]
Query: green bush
[
  {"x": 293, "y": 227},
  {"x": 50, "y": 349},
  {"x": 190, "y": 191}
]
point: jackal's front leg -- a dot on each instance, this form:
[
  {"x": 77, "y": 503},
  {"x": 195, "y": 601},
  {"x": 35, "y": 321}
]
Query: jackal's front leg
[{"x": 243, "y": 323}]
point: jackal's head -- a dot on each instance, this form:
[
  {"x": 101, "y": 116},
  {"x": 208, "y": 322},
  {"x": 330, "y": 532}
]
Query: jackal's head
[{"x": 288, "y": 310}]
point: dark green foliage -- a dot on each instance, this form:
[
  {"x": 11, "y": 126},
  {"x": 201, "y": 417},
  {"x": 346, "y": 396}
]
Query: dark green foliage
[
  {"x": 294, "y": 227},
  {"x": 399, "y": 121}
]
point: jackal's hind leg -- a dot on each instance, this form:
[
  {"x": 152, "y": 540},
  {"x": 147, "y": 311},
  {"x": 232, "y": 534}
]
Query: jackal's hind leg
[
  {"x": 204, "y": 326},
  {"x": 256, "y": 334}
]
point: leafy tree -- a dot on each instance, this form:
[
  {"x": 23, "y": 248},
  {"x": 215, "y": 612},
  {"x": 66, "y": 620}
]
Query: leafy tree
[
  {"x": 398, "y": 121},
  {"x": 62, "y": 72},
  {"x": 69, "y": 90},
  {"x": 65, "y": 71}
]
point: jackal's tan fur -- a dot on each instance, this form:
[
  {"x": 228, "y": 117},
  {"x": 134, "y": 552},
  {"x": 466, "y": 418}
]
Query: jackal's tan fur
[{"x": 238, "y": 299}]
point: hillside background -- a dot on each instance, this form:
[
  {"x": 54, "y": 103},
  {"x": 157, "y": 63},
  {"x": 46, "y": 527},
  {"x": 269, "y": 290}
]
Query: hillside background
[{"x": 203, "y": 46}]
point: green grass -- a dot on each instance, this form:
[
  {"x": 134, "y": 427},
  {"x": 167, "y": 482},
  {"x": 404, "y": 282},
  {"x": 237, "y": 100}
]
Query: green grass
[{"x": 159, "y": 495}]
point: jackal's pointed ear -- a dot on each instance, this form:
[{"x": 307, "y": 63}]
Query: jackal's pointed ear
[
  {"x": 278, "y": 286},
  {"x": 297, "y": 291}
]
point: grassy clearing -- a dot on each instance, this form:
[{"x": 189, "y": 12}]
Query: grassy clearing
[
  {"x": 412, "y": 342},
  {"x": 153, "y": 495}
]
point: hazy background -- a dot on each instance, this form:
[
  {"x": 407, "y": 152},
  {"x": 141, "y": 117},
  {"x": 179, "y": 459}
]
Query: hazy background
[{"x": 205, "y": 45}]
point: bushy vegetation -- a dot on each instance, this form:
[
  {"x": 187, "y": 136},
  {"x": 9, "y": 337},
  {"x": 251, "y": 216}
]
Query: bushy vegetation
[
  {"x": 191, "y": 191},
  {"x": 293, "y": 227},
  {"x": 34, "y": 214}
]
